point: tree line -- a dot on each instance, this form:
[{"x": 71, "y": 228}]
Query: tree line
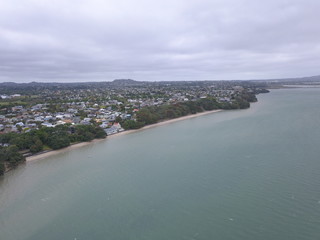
[
  {"x": 43, "y": 139},
  {"x": 154, "y": 114}
]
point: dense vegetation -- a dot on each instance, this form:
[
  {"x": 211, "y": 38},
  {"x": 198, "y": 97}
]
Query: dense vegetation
[
  {"x": 54, "y": 138},
  {"x": 153, "y": 114},
  {"x": 44, "y": 138},
  {"x": 9, "y": 157}
]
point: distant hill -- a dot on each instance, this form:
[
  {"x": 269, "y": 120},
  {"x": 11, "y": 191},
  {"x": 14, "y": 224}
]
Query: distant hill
[
  {"x": 12, "y": 87},
  {"x": 126, "y": 82},
  {"x": 294, "y": 80}
]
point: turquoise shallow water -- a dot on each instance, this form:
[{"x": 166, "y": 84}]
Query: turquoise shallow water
[{"x": 248, "y": 174}]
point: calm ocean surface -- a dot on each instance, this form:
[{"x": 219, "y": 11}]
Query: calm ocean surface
[{"x": 248, "y": 174}]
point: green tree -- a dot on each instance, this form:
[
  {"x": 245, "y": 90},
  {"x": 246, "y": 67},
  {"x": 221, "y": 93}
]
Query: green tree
[
  {"x": 118, "y": 119},
  {"x": 131, "y": 124},
  {"x": 12, "y": 155},
  {"x": 37, "y": 146},
  {"x": 57, "y": 142},
  {"x": 2, "y": 167}
]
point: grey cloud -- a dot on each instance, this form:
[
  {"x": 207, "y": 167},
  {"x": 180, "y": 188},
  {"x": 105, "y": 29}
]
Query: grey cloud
[{"x": 151, "y": 40}]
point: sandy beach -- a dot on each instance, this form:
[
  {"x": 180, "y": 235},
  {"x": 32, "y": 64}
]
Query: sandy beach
[{"x": 79, "y": 145}]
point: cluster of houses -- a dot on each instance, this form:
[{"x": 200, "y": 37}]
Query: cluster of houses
[
  {"x": 22, "y": 119},
  {"x": 5, "y": 96}
]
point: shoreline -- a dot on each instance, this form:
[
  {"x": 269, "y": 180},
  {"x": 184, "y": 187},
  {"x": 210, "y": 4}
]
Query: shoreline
[{"x": 43, "y": 155}]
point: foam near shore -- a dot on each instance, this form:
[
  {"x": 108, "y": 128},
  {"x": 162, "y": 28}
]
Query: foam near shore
[{"x": 44, "y": 155}]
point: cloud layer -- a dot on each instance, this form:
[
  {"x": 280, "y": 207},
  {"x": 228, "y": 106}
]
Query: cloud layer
[{"x": 99, "y": 40}]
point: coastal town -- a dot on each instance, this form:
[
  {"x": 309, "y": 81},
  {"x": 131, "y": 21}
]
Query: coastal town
[
  {"x": 106, "y": 107},
  {"x": 33, "y": 114}
]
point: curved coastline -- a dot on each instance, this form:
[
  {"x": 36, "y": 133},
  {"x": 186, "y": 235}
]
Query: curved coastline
[{"x": 44, "y": 155}]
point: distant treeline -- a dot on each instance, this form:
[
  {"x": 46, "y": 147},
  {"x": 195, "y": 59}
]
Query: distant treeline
[
  {"x": 43, "y": 139},
  {"x": 154, "y": 114}
]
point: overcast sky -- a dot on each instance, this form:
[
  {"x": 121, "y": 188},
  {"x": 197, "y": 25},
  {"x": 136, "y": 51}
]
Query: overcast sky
[{"x": 100, "y": 40}]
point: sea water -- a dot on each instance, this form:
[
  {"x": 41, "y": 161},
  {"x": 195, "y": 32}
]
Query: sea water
[{"x": 244, "y": 174}]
